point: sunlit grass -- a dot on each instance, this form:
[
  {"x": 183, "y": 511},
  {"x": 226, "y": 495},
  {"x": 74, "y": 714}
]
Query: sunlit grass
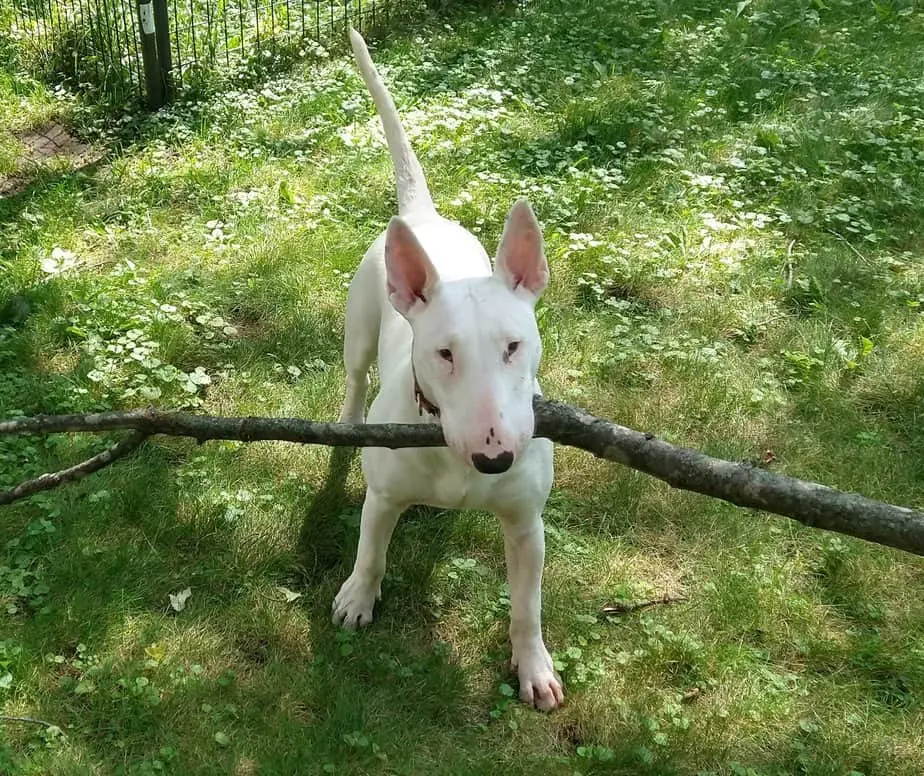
[{"x": 732, "y": 204}]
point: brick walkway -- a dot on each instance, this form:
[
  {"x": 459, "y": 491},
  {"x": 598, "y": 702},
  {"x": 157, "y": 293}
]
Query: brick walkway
[
  {"x": 48, "y": 142},
  {"x": 52, "y": 140}
]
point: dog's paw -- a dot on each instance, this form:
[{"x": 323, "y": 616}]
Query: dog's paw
[
  {"x": 353, "y": 605},
  {"x": 540, "y": 686}
]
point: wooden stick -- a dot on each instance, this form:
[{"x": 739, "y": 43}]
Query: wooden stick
[{"x": 742, "y": 484}]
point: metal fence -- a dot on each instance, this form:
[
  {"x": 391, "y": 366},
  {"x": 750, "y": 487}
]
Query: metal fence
[{"x": 152, "y": 49}]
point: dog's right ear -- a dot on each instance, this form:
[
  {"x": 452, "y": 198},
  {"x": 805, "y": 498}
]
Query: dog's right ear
[{"x": 410, "y": 273}]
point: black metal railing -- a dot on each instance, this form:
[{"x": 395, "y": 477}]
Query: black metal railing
[{"x": 151, "y": 49}]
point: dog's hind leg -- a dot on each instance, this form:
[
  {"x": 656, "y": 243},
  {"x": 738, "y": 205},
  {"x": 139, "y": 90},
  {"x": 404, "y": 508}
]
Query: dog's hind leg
[
  {"x": 353, "y": 605},
  {"x": 361, "y": 334}
]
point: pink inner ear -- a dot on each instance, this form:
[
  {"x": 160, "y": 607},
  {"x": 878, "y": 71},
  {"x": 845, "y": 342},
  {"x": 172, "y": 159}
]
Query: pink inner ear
[
  {"x": 526, "y": 265},
  {"x": 410, "y": 289},
  {"x": 410, "y": 274},
  {"x": 520, "y": 258}
]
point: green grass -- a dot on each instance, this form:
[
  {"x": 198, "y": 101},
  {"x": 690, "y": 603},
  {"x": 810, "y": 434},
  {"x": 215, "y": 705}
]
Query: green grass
[{"x": 733, "y": 203}]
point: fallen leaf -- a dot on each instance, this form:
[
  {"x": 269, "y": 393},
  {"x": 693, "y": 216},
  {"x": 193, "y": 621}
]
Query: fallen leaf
[
  {"x": 289, "y": 595},
  {"x": 156, "y": 651},
  {"x": 178, "y": 600},
  {"x": 286, "y": 194}
]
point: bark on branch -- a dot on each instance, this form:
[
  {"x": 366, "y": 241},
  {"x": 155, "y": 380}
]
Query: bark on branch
[
  {"x": 122, "y": 448},
  {"x": 738, "y": 483}
]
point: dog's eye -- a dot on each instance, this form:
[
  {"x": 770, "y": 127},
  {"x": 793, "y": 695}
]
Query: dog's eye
[
  {"x": 512, "y": 348},
  {"x": 445, "y": 354}
]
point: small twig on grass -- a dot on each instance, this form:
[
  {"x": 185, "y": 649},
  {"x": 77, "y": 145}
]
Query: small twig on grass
[
  {"x": 850, "y": 245},
  {"x": 27, "y": 720},
  {"x": 691, "y": 695},
  {"x": 53, "y": 479},
  {"x": 624, "y": 607},
  {"x": 276, "y": 600},
  {"x": 789, "y": 264}
]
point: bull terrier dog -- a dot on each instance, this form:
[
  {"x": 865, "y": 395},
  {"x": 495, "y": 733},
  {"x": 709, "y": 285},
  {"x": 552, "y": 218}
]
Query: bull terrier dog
[{"x": 457, "y": 344}]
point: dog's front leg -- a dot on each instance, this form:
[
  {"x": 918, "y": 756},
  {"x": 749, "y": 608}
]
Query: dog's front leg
[
  {"x": 524, "y": 547},
  {"x": 354, "y": 603}
]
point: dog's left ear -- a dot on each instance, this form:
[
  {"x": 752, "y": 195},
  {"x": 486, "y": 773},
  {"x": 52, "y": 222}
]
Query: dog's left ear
[{"x": 520, "y": 259}]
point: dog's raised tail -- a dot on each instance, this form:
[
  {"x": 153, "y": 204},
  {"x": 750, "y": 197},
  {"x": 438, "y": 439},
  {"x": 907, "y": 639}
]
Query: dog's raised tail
[{"x": 413, "y": 193}]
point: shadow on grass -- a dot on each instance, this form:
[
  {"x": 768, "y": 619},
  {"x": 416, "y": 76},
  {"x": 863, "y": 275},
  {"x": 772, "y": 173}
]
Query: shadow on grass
[
  {"x": 235, "y": 659},
  {"x": 17, "y": 193},
  {"x": 322, "y": 542},
  {"x": 330, "y": 531}
]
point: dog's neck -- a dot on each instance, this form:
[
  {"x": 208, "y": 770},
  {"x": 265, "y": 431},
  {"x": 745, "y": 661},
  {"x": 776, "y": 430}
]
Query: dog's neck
[{"x": 424, "y": 405}]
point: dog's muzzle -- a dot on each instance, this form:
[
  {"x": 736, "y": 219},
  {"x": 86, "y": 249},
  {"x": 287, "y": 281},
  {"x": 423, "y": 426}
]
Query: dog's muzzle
[{"x": 497, "y": 465}]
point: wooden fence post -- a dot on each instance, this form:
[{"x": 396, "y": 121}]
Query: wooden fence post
[
  {"x": 153, "y": 81},
  {"x": 162, "y": 38}
]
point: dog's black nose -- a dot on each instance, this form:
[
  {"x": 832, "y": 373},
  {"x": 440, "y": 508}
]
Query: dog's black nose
[{"x": 492, "y": 465}]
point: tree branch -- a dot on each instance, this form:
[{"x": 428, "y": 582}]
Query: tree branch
[
  {"x": 206, "y": 427},
  {"x": 27, "y": 720},
  {"x": 741, "y": 484},
  {"x": 738, "y": 483},
  {"x": 48, "y": 481}
]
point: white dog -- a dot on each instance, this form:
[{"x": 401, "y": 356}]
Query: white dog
[{"x": 457, "y": 344}]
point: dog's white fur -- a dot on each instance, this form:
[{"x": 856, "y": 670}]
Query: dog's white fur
[{"x": 426, "y": 299}]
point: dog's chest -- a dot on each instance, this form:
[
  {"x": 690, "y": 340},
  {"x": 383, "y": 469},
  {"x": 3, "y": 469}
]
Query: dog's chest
[
  {"x": 433, "y": 477},
  {"x": 458, "y": 487},
  {"x": 442, "y": 481}
]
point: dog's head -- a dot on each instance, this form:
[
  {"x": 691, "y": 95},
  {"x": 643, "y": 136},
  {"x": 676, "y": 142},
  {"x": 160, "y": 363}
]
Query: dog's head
[{"x": 476, "y": 343}]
